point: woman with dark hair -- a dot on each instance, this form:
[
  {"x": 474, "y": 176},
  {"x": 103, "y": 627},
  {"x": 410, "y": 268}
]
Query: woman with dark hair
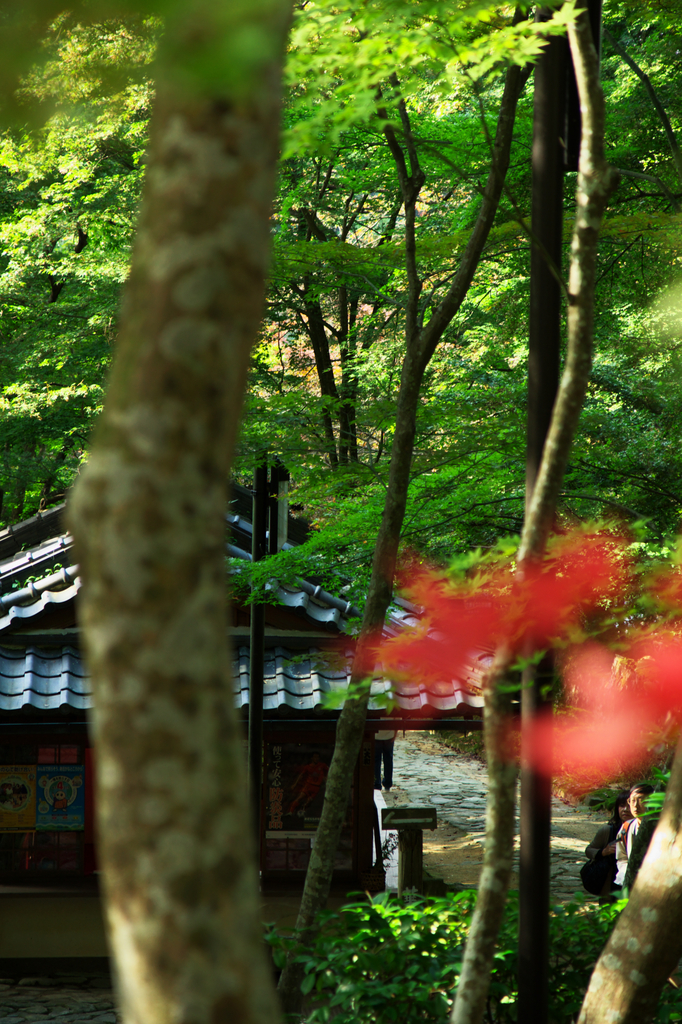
[
  {"x": 626, "y": 836},
  {"x": 599, "y": 874}
]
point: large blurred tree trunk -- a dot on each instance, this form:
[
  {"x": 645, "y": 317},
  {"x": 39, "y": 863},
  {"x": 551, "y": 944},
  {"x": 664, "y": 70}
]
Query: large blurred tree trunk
[{"x": 148, "y": 515}]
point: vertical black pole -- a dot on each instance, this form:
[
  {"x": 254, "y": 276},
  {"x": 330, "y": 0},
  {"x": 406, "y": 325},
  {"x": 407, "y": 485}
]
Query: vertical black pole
[
  {"x": 278, "y": 507},
  {"x": 257, "y": 648},
  {"x": 544, "y": 343},
  {"x": 273, "y": 507},
  {"x": 534, "y": 869},
  {"x": 543, "y": 381},
  {"x": 573, "y": 122},
  {"x": 556, "y": 141}
]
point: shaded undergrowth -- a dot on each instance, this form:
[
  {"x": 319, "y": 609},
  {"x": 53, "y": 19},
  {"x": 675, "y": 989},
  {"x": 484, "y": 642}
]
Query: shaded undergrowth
[{"x": 382, "y": 962}]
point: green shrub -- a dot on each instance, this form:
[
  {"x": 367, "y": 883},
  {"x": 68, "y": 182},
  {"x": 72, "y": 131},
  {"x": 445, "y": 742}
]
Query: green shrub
[
  {"x": 471, "y": 744},
  {"x": 380, "y": 962}
]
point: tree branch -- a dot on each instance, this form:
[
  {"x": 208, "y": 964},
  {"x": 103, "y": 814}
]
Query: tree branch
[
  {"x": 451, "y": 302},
  {"x": 656, "y": 181},
  {"x": 410, "y": 186},
  {"x": 651, "y": 92}
]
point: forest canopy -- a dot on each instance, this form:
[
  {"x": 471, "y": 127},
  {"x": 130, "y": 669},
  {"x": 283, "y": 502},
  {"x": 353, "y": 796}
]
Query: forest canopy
[{"x": 324, "y": 377}]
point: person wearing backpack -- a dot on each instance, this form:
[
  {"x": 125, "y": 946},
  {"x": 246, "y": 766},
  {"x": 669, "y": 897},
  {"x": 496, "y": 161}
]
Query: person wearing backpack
[
  {"x": 626, "y": 836},
  {"x": 599, "y": 873}
]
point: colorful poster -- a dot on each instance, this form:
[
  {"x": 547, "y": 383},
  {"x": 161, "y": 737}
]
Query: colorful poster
[
  {"x": 295, "y": 781},
  {"x": 61, "y": 798},
  {"x": 294, "y": 788},
  {"x": 17, "y": 798}
]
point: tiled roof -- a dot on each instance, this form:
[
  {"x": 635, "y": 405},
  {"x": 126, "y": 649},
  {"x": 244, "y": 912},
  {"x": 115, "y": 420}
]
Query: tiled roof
[
  {"x": 47, "y": 679},
  {"x": 300, "y": 681},
  {"x": 37, "y": 561},
  {"x": 240, "y": 505},
  {"x": 27, "y": 602},
  {"x": 297, "y": 597},
  {"x": 44, "y": 526},
  {"x": 296, "y": 682},
  {"x": 19, "y": 603},
  {"x": 31, "y": 532}
]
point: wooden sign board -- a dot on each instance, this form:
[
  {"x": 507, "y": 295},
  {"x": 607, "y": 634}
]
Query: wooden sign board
[{"x": 408, "y": 817}]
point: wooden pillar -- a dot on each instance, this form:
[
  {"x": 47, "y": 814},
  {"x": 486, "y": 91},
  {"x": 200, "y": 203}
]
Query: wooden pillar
[
  {"x": 534, "y": 867},
  {"x": 554, "y": 150},
  {"x": 257, "y": 648},
  {"x": 278, "y": 507},
  {"x": 573, "y": 120},
  {"x": 410, "y": 860},
  {"x": 410, "y": 823},
  {"x": 543, "y": 380}
]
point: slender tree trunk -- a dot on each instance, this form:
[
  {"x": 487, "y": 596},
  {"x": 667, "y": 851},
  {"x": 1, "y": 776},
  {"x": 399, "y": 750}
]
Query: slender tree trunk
[
  {"x": 353, "y": 380},
  {"x": 325, "y": 370},
  {"x": 420, "y": 346},
  {"x": 498, "y": 857},
  {"x": 596, "y": 181},
  {"x": 351, "y": 725},
  {"x": 348, "y": 451},
  {"x": 646, "y": 943},
  {"x": 148, "y": 517}
]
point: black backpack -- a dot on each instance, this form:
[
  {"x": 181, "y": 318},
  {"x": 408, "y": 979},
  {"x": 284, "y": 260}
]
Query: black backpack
[{"x": 594, "y": 873}]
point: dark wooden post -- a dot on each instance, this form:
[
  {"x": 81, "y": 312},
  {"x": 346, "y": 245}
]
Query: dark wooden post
[
  {"x": 543, "y": 381},
  {"x": 572, "y": 130},
  {"x": 410, "y": 860},
  {"x": 257, "y": 647},
  {"x": 278, "y": 507},
  {"x": 273, "y": 507},
  {"x": 555, "y": 149},
  {"x": 410, "y": 823}
]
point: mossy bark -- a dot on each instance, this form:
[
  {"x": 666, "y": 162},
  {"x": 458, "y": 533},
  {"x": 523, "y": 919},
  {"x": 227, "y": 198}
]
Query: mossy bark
[{"x": 148, "y": 517}]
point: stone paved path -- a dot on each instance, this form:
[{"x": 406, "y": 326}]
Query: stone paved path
[
  {"x": 427, "y": 772},
  {"x": 64, "y": 998}
]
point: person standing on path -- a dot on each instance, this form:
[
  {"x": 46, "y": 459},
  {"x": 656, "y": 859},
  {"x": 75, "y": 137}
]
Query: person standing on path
[
  {"x": 602, "y": 849},
  {"x": 383, "y": 749}
]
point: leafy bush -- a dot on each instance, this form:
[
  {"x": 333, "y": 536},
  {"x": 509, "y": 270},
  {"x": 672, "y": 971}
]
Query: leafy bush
[
  {"x": 380, "y": 962},
  {"x": 471, "y": 743}
]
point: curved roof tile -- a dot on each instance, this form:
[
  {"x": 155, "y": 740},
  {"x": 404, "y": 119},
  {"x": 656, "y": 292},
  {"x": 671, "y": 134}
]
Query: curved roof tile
[
  {"x": 21, "y": 612},
  {"x": 45, "y": 679},
  {"x": 54, "y": 677}
]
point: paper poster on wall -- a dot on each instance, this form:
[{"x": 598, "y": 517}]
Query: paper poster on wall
[
  {"x": 61, "y": 798},
  {"x": 296, "y": 777},
  {"x": 295, "y": 781},
  {"x": 17, "y": 798}
]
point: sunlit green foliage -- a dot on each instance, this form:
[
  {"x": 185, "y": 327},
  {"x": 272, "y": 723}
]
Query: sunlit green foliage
[
  {"x": 72, "y": 175},
  {"x": 469, "y": 465},
  {"x": 382, "y": 962},
  {"x": 71, "y": 187},
  {"x": 347, "y": 59}
]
